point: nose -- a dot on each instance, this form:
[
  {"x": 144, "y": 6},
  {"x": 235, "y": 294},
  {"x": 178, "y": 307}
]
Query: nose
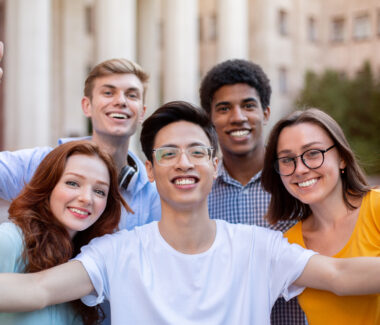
[
  {"x": 120, "y": 99},
  {"x": 237, "y": 115},
  {"x": 85, "y": 196},
  {"x": 184, "y": 162},
  {"x": 301, "y": 168}
]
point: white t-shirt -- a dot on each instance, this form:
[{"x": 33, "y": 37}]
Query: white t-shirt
[{"x": 236, "y": 281}]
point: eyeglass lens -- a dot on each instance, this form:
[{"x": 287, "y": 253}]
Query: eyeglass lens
[{"x": 169, "y": 155}]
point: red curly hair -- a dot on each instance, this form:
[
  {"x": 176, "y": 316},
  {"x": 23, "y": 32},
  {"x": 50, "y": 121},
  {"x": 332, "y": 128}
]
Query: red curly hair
[{"x": 46, "y": 241}]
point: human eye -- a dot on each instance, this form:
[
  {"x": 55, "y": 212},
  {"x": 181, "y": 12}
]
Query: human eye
[
  {"x": 167, "y": 153},
  {"x": 249, "y": 106},
  {"x": 100, "y": 192},
  {"x": 312, "y": 154},
  {"x": 286, "y": 160},
  {"x": 222, "y": 109},
  {"x": 132, "y": 95},
  {"x": 107, "y": 92},
  {"x": 198, "y": 151},
  {"x": 72, "y": 183}
]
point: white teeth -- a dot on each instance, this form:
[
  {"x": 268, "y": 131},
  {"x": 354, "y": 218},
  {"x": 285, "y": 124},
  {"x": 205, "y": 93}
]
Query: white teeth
[
  {"x": 118, "y": 115},
  {"x": 79, "y": 211},
  {"x": 184, "y": 181},
  {"x": 239, "y": 133},
  {"x": 307, "y": 183}
]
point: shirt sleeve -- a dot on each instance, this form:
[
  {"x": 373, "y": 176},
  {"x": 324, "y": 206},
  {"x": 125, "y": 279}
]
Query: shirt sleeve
[
  {"x": 17, "y": 168},
  {"x": 10, "y": 248},
  {"x": 94, "y": 257},
  {"x": 287, "y": 264}
]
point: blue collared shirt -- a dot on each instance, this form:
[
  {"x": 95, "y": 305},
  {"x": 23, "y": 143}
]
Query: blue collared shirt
[
  {"x": 18, "y": 167},
  {"x": 233, "y": 202}
]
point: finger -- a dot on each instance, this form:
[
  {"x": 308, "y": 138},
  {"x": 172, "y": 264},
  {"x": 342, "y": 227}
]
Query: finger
[{"x": 1, "y": 50}]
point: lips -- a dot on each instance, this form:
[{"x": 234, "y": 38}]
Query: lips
[
  {"x": 307, "y": 183},
  {"x": 185, "y": 180},
  {"x": 119, "y": 116},
  {"x": 80, "y": 213},
  {"x": 239, "y": 133}
]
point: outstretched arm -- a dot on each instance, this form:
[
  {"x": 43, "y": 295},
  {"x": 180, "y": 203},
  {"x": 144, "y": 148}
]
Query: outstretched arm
[
  {"x": 342, "y": 276},
  {"x": 26, "y": 292}
]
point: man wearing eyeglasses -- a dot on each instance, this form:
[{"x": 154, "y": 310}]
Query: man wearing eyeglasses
[{"x": 236, "y": 96}]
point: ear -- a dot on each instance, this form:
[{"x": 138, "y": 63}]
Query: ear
[
  {"x": 215, "y": 162},
  {"x": 86, "y": 106},
  {"x": 266, "y": 115},
  {"x": 149, "y": 170},
  {"x": 342, "y": 164},
  {"x": 142, "y": 114}
]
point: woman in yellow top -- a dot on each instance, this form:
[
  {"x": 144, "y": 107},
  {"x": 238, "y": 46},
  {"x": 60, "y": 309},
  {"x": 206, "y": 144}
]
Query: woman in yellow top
[{"x": 313, "y": 177}]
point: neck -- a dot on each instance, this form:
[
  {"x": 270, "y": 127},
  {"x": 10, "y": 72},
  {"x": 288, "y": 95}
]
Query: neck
[
  {"x": 330, "y": 212},
  {"x": 244, "y": 167},
  {"x": 116, "y": 147},
  {"x": 189, "y": 231}
]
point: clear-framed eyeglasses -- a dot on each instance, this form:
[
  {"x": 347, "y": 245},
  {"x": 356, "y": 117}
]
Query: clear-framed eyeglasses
[
  {"x": 168, "y": 156},
  {"x": 312, "y": 159}
]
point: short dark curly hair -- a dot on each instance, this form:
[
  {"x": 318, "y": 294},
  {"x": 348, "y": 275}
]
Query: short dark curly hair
[{"x": 232, "y": 72}]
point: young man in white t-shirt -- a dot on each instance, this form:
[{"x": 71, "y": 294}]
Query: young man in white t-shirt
[{"x": 187, "y": 268}]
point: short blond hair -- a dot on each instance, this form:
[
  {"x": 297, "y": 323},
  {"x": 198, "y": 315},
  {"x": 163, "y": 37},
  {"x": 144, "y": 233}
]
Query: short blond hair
[{"x": 114, "y": 66}]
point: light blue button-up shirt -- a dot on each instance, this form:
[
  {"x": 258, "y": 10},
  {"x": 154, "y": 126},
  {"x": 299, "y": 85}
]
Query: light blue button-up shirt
[{"x": 18, "y": 167}]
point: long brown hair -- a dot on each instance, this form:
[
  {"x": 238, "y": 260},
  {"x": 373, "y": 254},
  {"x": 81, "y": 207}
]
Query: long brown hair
[
  {"x": 46, "y": 241},
  {"x": 284, "y": 206}
]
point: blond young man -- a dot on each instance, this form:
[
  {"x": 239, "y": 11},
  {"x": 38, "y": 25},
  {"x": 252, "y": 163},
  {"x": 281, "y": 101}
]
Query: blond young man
[{"x": 114, "y": 101}]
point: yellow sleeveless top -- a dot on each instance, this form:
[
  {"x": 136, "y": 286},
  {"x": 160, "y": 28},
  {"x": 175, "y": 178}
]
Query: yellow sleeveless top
[{"x": 325, "y": 308}]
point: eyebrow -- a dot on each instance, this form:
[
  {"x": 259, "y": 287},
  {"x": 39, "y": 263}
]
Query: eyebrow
[
  {"x": 114, "y": 87},
  {"x": 245, "y": 100},
  {"x": 83, "y": 177},
  {"x": 193, "y": 144},
  {"x": 304, "y": 147}
]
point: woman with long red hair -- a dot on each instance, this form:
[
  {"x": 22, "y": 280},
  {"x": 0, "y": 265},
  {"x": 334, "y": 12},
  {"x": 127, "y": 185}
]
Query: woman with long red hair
[{"x": 72, "y": 198}]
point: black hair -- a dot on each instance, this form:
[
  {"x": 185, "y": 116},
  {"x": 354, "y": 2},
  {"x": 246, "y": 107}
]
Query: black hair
[
  {"x": 173, "y": 112},
  {"x": 232, "y": 72}
]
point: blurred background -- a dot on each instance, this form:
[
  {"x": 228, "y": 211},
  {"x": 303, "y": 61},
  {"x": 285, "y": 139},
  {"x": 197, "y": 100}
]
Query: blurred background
[{"x": 324, "y": 53}]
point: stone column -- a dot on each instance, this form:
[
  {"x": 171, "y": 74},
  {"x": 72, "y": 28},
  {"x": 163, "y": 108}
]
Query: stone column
[
  {"x": 180, "y": 74},
  {"x": 69, "y": 67},
  {"x": 232, "y": 26},
  {"x": 148, "y": 49},
  {"x": 27, "y": 109},
  {"x": 115, "y": 25}
]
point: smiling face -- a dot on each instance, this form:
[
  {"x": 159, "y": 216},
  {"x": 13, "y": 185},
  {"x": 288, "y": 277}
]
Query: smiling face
[
  {"x": 182, "y": 185},
  {"x": 311, "y": 186},
  {"x": 116, "y": 107},
  {"x": 238, "y": 117},
  {"x": 80, "y": 196}
]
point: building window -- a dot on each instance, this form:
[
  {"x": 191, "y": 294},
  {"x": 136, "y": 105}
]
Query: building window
[
  {"x": 283, "y": 28},
  {"x": 337, "y": 30},
  {"x": 362, "y": 27},
  {"x": 311, "y": 30},
  {"x": 283, "y": 80}
]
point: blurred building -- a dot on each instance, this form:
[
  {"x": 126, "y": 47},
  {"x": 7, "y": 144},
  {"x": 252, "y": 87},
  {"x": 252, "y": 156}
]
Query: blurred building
[{"x": 52, "y": 44}]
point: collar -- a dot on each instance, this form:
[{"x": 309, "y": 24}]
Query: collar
[{"x": 225, "y": 177}]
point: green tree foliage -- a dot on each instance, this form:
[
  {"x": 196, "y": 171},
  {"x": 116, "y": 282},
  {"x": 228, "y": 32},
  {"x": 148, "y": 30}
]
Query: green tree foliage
[{"x": 354, "y": 103}]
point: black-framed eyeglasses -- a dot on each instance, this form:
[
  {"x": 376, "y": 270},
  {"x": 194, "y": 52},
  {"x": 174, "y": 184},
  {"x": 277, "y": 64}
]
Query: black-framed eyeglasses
[
  {"x": 312, "y": 159},
  {"x": 168, "y": 156}
]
